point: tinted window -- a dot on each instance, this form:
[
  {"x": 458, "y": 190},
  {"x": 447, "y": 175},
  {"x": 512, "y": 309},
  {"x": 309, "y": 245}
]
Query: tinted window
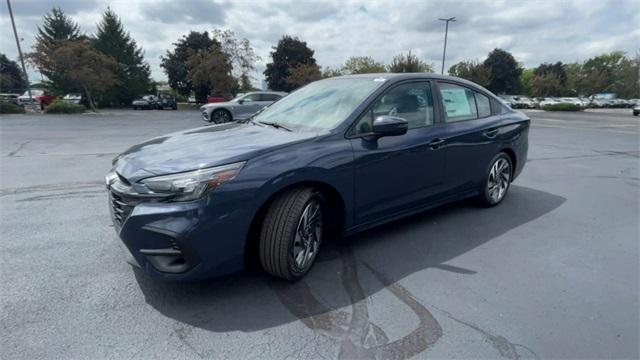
[
  {"x": 458, "y": 102},
  {"x": 269, "y": 97},
  {"x": 484, "y": 105},
  {"x": 412, "y": 102}
]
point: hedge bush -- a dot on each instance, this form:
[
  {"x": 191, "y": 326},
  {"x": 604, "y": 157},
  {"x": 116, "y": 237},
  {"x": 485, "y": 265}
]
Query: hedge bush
[
  {"x": 10, "y": 108},
  {"x": 562, "y": 107},
  {"x": 60, "y": 107}
]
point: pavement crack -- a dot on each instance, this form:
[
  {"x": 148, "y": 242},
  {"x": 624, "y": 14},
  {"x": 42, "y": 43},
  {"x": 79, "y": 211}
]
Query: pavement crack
[
  {"x": 505, "y": 348},
  {"x": 20, "y": 147}
]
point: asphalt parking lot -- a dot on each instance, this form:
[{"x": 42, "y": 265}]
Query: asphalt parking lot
[{"x": 550, "y": 273}]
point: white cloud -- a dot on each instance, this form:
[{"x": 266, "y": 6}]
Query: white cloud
[{"x": 534, "y": 31}]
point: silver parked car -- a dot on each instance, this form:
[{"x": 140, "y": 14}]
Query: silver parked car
[{"x": 240, "y": 108}]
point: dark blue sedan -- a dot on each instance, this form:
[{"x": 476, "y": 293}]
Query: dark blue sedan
[{"x": 335, "y": 157}]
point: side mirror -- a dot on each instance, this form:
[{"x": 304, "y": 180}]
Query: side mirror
[
  {"x": 389, "y": 126},
  {"x": 241, "y": 101}
]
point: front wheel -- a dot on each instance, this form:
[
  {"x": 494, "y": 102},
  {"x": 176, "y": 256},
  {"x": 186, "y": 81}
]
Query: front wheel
[
  {"x": 497, "y": 180},
  {"x": 291, "y": 233},
  {"x": 220, "y": 116}
]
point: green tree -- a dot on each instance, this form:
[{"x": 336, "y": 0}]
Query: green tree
[
  {"x": 134, "y": 75},
  {"x": 11, "y": 76},
  {"x": 573, "y": 84},
  {"x": 604, "y": 73},
  {"x": 82, "y": 66},
  {"x": 362, "y": 65},
  {"x": 546, "y": 84},
  {"x": 408, "y": 64},
  {"x": 175, "y": 62},
  {"x": 525, "y": 81},
  {"x": 289, "y": 53},
  {"x": 505, "y": 72},
  {"x": 328, "y": 72},
  {"x": 303, "y": 74},
  {"x": 57, "y": 27},
  {"x": 629, "y": 87},
  {"x": 557, "y": 69},
  {"x": 471, "y": 70},
  {"x": 211, "y": 69}
]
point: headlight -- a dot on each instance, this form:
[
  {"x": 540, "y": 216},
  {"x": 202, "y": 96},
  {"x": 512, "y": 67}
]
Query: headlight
[{"x": 194, "y": 184}]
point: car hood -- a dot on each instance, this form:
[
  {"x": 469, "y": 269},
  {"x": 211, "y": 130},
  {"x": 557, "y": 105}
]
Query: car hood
[{"x": 201, "y": 148}]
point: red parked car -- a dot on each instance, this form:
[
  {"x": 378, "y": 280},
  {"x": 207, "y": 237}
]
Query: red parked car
[
  {"x": 41, "y": 97},
  {"x": 215, "y": 99}
]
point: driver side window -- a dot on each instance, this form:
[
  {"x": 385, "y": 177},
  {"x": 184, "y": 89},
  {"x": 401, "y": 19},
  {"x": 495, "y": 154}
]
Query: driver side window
[{"x": 412, "y": 102}]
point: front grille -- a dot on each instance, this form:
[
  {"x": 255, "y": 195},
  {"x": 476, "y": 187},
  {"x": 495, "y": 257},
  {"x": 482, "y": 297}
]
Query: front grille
[{"x": 121, "y": 208}]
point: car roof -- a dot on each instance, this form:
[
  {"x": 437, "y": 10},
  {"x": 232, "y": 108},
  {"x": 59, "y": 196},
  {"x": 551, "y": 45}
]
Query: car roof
[
  {"x": 266, "y": 92},
  {"x": 409, "y": 76}
]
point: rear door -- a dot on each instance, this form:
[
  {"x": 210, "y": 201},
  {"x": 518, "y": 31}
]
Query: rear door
[{"x": 471, "y": 129}]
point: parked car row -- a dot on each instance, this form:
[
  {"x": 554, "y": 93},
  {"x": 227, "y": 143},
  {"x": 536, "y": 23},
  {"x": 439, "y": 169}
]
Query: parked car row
[
  {"x": 160, "y": 102},
  {"x": 523, "y": 102}
]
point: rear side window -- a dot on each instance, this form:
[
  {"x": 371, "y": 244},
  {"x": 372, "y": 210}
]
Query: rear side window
[
  {"x": 270, "y": 97},
  {"x": 484, "y": 105},
  {"x": 458, "y": 102}
]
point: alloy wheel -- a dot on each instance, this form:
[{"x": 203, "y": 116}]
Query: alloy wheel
[
  {"x": 221, "y": 117},
  {"x": 307, "y": 238},
  {"x": 499, "y": 178}
]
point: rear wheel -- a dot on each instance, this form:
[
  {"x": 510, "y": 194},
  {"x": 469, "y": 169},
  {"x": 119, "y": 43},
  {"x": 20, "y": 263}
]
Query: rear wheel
[
  {"x": 220, "y": 116},
  {"x": 291, "y": 233},
  {"x": 497, "y": 180}
]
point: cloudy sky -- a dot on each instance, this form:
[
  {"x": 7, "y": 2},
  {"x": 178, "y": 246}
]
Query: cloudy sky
[{"x": 534, "y": 31}]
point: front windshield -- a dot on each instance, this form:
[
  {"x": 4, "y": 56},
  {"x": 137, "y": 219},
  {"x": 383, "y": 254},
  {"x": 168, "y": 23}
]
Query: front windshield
[{"x": 321, "y": 105}]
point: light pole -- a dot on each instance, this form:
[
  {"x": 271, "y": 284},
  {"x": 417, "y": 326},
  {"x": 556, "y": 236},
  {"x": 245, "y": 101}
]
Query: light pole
[
  {"x": 446, "y": 31},
  {"x": 15, "y": 33}
]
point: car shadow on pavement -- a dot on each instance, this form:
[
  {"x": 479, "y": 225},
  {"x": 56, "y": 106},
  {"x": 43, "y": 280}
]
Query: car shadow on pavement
[{"x": 350, "y": 270}]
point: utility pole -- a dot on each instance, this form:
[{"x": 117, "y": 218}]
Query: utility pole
[
  {"x": 15, "y": 33},
  {"x": 446, "y": 31}
]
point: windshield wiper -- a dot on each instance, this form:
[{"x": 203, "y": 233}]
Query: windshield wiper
[{"x": 275, "y": 125}]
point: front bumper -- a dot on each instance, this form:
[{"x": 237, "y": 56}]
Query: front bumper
[
  {"x": 183, "y": 241},
  {"x": 205, "y": 115}
]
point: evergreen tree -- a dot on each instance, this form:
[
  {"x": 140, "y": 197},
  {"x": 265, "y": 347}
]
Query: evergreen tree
[
  {"x": 57, "y": 28},
  {"x": 290, "y": 53},
  {"x": 11, "y": 76},
  {"x": 133, "y": 74},
  {"x": 505, "y": 72},
  {"x": 175, "y": 63}
]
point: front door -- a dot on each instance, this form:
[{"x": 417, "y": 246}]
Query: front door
[
  {"x": 397, "y": 173},
  {"x": 249, "y": 106}
]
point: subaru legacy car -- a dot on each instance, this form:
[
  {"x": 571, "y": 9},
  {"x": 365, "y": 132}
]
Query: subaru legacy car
[
  {"x": 240, "y": 108},
  {"x": 335, "y": 157}
]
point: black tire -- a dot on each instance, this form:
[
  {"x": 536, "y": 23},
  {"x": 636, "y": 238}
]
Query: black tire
[
  {"x": 221, "y": 116},
  {"x": 281, "y": 229},
  {"x": 175, "y": 107},
  {"x": 135, "y": 108},
  {"x": 495, "y": 186}
]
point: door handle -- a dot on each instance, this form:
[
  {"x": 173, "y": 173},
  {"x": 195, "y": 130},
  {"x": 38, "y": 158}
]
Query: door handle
[
  {"x": 491, "y": 133},
  {"x": 436, "y": 144}
]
